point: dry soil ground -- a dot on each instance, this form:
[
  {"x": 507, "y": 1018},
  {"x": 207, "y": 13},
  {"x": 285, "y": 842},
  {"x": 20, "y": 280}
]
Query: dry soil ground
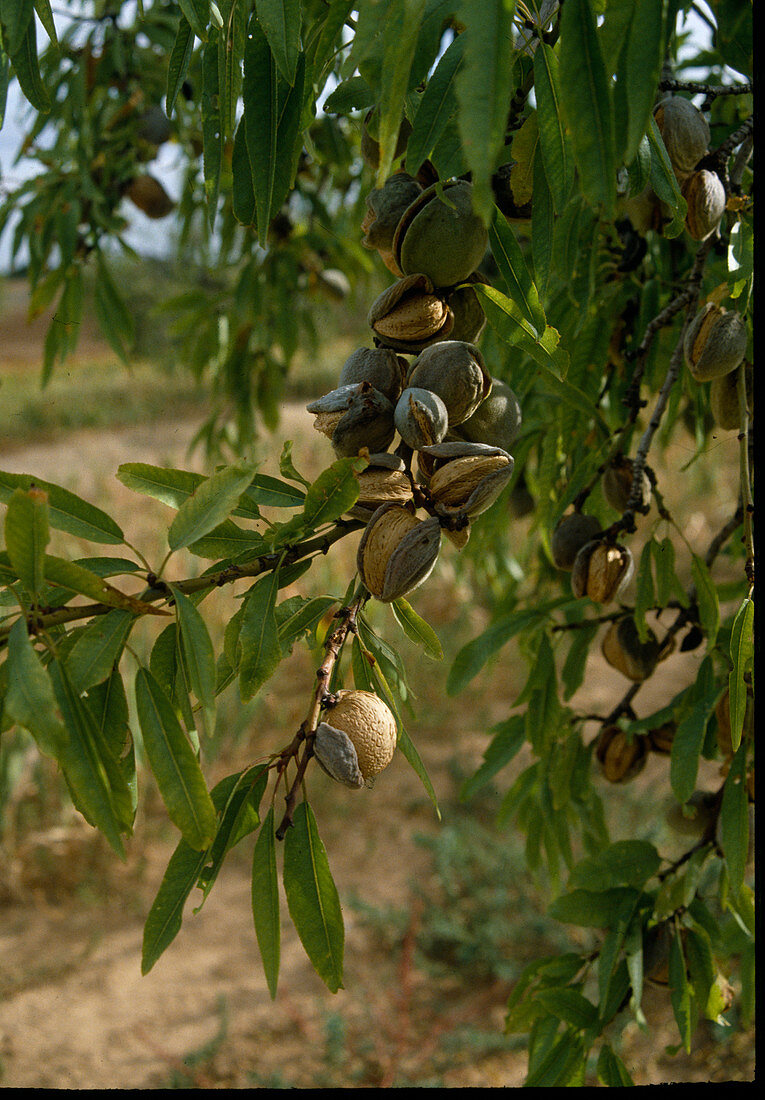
[{"x": 75, "y": 1012}]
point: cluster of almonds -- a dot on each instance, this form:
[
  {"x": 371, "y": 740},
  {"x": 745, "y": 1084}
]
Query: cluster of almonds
[
  {"x": 422, "y": 407},
  {"x": 686, "y": 136},
  {"x": 421, "y": 403}
]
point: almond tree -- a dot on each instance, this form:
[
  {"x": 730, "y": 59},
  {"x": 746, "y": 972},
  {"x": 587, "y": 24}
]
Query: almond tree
[{"x": 556, "y": 225}]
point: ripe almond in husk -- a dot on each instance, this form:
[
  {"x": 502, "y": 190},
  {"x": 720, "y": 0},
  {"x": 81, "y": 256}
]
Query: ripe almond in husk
[
  {"x": 410, "y": 315},
  {"x": 370, "y": 727},
  {"x": 624, "y": 651},
  {"x": 148, "y": 194},
  {"x": 466, "y": 477},
  {"x": 571, "y": 533},
  {"x": 705, "y": 195},
  {"x": 397, "y": 551},
  {"x": 601, "y": 570},
  {"x": 620, "y": 757},
  {"x": 456, "y": 372},
  {"x": 715, "y": 342},
  {"x": 617, "y": 485},
  {"x": 685, "y": 133}
]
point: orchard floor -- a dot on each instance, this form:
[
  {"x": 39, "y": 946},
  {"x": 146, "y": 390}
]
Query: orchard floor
[{"x": 75, "y": 1011}]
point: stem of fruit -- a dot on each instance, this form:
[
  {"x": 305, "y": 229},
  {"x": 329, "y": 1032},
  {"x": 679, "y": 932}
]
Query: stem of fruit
[{"x": 304, "y": 737}]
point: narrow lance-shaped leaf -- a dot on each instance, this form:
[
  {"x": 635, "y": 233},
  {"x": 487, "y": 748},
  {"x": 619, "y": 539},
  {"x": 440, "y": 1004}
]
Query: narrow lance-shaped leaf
[
  {"x": 211, "y": 503},
  {"x": 312, "y": 898},
  {"x": 174, "y": 764},
  {"x": 437, "y": 106},
  {"x": 178, "y": 66},
  {"x": 27, "y": 68},
  {"x": 512, "y": 267},
  {"x": 98, "y": 648},
  {"x": 14, "y": 17},
  {"x": 265, "y": 901},
  {"x": 402, "y": 22},
  {"x": 734, "y": 820},
  {"x": 706, "y": 598},
  {"x": 417, "y": 629},
  {"x": 197, "y": 12},
  {"x": 66, "y": 511},
  {"x": 554, "y": 142},
  {"x": 640, "y": 69},
  {"x": 197, "y": 649},
  {"x": 212, "y": 126},
  {"x": 484, "y": 85},
  {"x": 586, "y": 103},
  {"x": 664, "y": 181},
  {"x": 261, "y": 651},
  {"x": 26, "y": 536},
  {"x": 280, "y": 21},
  {"x": 742, "y": 655},
  {"x": 29, "y": 699}
]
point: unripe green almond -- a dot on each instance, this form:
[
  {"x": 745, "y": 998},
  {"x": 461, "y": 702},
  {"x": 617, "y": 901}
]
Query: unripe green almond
[
  {"x": 420, "y": 417},
  {"x": 455, "y": 372},
  {"x": 440, "y": 235},
  {"x": 381, "y": 367},
  {"x": 496, "y": 421}
]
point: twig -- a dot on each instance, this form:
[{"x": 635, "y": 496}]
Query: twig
[
  {"x": 705, "y": 89},
  {"x": 306, "y": 733},
  {"x": 159, "y": 591}
]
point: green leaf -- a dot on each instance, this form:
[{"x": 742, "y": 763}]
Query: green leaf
[
  {"x": 26, "y": 66},
  {"x": 197, "y": 650},
  {"x": 312, "y": 898},
  {"x": 97, "y": 784},
  {"x": 30, "y": 700},
  {"x": 261, "y": 651},
  {"x": 66, "y": 511},
  {"x": 212, "y": 502},
  {"x": 197, "y": 13},
  {"x": 474, "y": 655},
  {"x": 172, "y": 487},
  {"x": 568, "y": 1005},
  {"x": 645, "y": 596},
  {"x": 553, "y": 140},
  {"x": 484, "y": 87},
  {"x": 734, "y": 820},
  {"x": 508, "y": 739},
  {"x": 706, "y": 598},
  {"x": 542, "y": 226},
  {"x": 271, "y": 492},
  {"x": 69, "y": 575},
  {"x": 680, "y": 993},
  {"x": 639, "y": 71},
  {"x": 593, "y": 908},
  {"x": 212, "y": 124},
  {"x": 416, "y": 629},
  {"x": 623, "y": 863},
  {"x": 664, "y": 181},
  {"x": 512, "y": 267},
  {"x": 272, "y": 116},
  {"x": 114, "y": 317},
  {"x": 27, "y": 535},
  {"x": 303, "y": 619},
  {"x": 668, "y": 586},
  {"x": 14, "y": 17},
  {"x": 174, "y": 764},
  {"x": 742, "y": 656},
  {"x": 689, "y": 736},
  {"x": 611, "y": 1069},
  {"x": 511, "y": 325},
  {"x": 265, "y": 901},
  {"x": 186, "y": 867},
  {"x": 280, "y": 21},
  {"x": 437, "y": 107},
  {"x": 333, "y": 492},
  {"x": 96, "y": 651},
  {"x": 399, "y": 42},
  {"x": 178, "y": 65},
  {"x": 586, "y": 104}
]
